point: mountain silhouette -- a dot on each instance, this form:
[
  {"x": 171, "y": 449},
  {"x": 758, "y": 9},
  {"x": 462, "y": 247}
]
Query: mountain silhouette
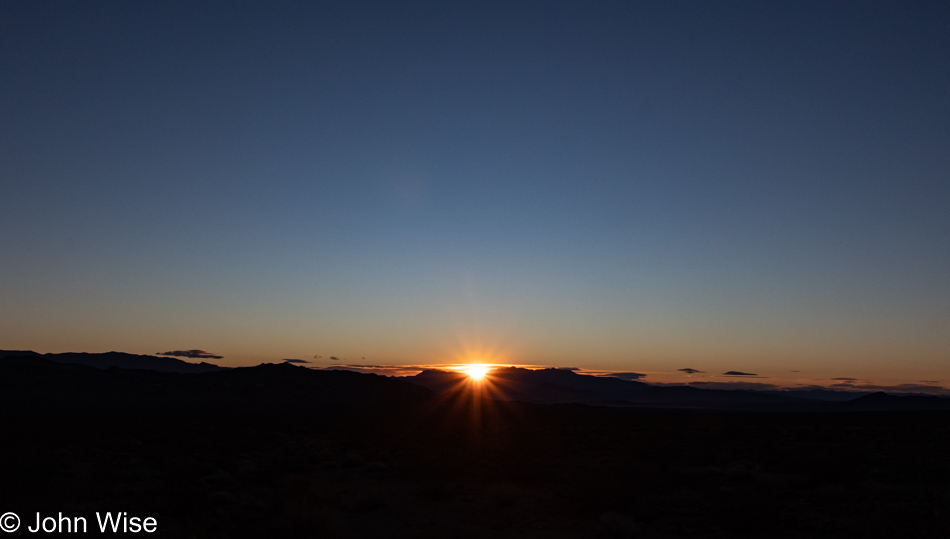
[
  {"x": 561, "y": 386},
  {"x": 40, "y": 383},
  {"x": 121, "y": 360},
  {"x": 333, "y": 453},
  {"x": 117, "y": 377},
  {"x": 881, "y": 401}
]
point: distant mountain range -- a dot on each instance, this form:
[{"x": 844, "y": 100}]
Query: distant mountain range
[
  {"x": 559, "y": 386},
  {"x": 35, "y": 383},
  {"x": 121, "y": 360},
  {"x": 116, "y": 377}
]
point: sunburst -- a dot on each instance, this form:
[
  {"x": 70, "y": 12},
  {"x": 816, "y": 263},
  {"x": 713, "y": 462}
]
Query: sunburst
[{"x": 476, "y": 371}]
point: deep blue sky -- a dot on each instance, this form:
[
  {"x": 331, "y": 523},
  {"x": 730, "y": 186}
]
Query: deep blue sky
[{"x": 638, "y": 186}]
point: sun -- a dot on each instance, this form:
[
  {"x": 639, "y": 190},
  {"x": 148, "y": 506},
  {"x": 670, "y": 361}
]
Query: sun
[{"x": 476, "y": 371}]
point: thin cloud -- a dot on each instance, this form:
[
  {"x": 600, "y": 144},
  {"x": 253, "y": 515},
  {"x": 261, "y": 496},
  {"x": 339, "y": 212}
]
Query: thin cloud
[
  {"x": 811, "y": 387},
  {"x": 738, "y": 373},
  {"x": 382, "y": 370},
  {"x": 847, "y": 382},
  {"x": 361, "y": 366},
  {"x": 296, "y": 361},
  {"x": 193, "y": 354},
  {"x": 691, "y": 371},
  {"x": 334, "y": 358},
  {"x": 625, "y": 375}
]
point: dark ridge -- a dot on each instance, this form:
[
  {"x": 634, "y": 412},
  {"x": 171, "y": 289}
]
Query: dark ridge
[
  {"x": 133, "y": 361},
  {"x": 881, "y": 401},
  {"x": 5, "y": 353},
  {"x": 559, "y": 386},
  {"x": 121, "y": 360},
  {"x": 283, "y": 451},
  {"x": 41, "y": 384}
]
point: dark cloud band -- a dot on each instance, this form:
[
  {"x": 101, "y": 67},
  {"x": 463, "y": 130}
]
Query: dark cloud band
[{"x": 194, "y": 354}]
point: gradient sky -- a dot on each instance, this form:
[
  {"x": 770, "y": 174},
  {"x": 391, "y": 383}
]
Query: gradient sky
[{"x": 632, "y": 186}]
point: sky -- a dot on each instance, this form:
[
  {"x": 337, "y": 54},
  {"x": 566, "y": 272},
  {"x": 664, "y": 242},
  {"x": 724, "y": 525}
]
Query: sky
[{"x": 759, "y": 187}]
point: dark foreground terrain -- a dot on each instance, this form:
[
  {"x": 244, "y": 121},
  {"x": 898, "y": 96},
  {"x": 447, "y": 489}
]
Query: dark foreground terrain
[{"x": 280, "y": 451}]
